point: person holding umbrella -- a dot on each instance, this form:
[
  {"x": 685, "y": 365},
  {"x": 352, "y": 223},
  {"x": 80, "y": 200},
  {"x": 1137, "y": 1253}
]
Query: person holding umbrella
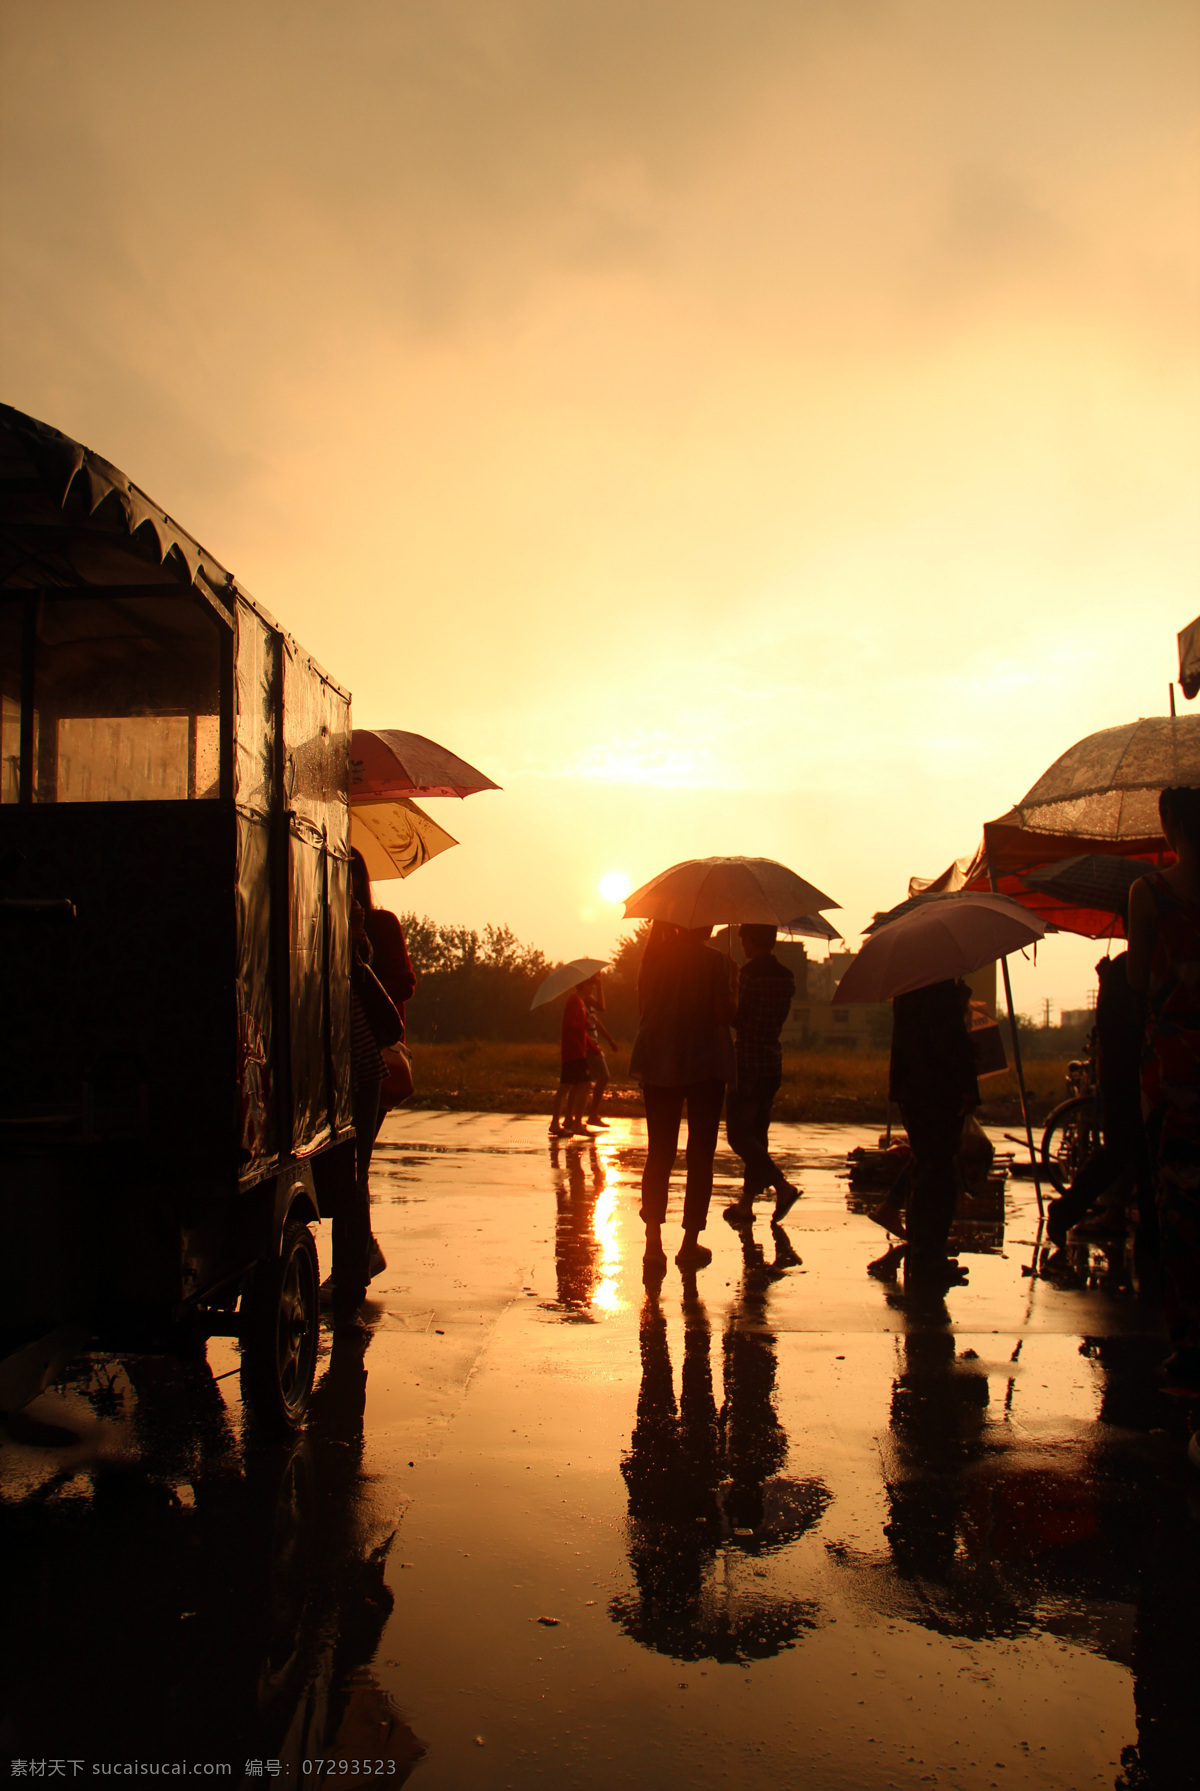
[
  {"x": 918, "y": 959},
  {"x": 683, "y": 1053},
  {"x": 765, "y": 991},
  {"x": 1164, "y": 969},
  {"x": 573, "y": 1076},
  {"x": 683, "y": 1056},
  {"x": 597, "y": 1063},
  {"x": 932, "y": 1080},
  {"x": 574, "y": 980}
]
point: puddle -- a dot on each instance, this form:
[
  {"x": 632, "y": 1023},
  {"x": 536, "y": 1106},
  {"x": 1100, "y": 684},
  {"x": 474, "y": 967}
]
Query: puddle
[{"x": 775, "y": 1525}]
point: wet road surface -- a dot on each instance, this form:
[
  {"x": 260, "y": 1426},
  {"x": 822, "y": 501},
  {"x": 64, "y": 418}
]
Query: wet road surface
[{"x": 773, "y": 1526}]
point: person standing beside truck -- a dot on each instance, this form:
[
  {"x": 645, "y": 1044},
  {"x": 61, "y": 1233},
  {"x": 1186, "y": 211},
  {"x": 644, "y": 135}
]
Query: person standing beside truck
[
  {"x": 357, "y": 1257},
  {"x": 393, "y": 966}
]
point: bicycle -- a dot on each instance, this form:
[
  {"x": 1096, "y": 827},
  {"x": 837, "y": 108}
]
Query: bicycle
[{"x": 1072, "y": 1129}]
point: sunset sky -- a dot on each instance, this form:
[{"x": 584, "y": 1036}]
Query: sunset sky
[{"x": 767, "y": 428}]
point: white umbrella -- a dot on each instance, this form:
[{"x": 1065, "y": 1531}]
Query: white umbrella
[
  {"x": 704, "y": 892},
  {"x": 948, "y": 936},
  {"x": 566, "y": 977},
  {"x": 811, "y": 926}
]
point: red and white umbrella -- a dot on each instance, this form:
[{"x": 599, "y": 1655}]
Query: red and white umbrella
[{"x": 389, "y": 762}]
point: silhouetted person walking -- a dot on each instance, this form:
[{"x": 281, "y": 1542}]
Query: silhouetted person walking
[
  {"x": 683, "y": 1056},
  {"x": 765, "y": 991}
]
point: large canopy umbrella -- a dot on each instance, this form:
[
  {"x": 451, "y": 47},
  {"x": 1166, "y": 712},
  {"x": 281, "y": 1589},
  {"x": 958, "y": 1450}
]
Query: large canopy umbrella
[
  {"x": 1087, "y": 895},
  {"x": 390, "y": 762},
  {"x": 947, "y": 936},
  {"x": 1101, "y": 796},
  {"x": 1099, "y": 800},
  {"x": 395, "y": 838},
  {"x": 567, "y": 976},
  {"x": 709, "y": 891}
]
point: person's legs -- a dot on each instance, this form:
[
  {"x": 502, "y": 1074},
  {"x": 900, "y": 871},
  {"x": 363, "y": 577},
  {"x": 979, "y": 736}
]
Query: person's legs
[
  {"x": 737, "y": 1136},
  {"x": 598, "y": 1076},
  {"x": 934, "y": 1133},
  {"x": 704, "y": 1102},
  {"x": 747, "y": 1127},
  {"x": 1095, "y": 1177},
  {"x": 352, "y": 1217},
  {"x": 572, "y": 1092},
  {"x": 575, "y": 1106},
  {"x": 890, "y": 1212},
  {"x": 664, "y": 1110},
  {"x": 561, "y": 1096},
  {"x": 767, "y": 1171}
]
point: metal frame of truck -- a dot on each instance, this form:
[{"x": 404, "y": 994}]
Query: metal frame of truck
[{"x": 175, "y": 1107}]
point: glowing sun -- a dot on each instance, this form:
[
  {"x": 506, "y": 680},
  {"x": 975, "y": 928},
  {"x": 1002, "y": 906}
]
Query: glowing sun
[{"x": 615, "y": 886}]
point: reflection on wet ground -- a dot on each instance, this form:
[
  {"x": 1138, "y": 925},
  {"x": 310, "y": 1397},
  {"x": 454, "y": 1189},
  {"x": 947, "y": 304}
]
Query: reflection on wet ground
[{"x": 776, "y": 1525}]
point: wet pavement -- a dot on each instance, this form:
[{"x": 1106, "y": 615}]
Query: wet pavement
[{"x": 773, "y": 1526}]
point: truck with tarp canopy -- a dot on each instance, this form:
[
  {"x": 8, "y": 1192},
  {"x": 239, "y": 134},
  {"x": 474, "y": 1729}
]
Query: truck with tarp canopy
[{"x": 175, "y": 1107}]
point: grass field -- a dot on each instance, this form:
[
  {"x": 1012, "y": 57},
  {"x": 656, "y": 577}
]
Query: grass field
[{"x": 816, "y": 1085}]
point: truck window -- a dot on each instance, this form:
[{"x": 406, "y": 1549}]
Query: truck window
[{"x": 126, "y": 698}]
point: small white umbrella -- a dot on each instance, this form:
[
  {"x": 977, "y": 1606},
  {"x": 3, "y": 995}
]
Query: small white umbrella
[
  {"x": 949, "y": 936},
  {"x": 710, "y": 891},
  {"x": 566, "y": 977}
]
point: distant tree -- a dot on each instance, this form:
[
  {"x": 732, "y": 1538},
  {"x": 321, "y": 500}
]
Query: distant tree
[
  {"x": 620, "y": 982},
  {"x": 1039, "y": 1041},
  {"x": 474, "y": 985}
]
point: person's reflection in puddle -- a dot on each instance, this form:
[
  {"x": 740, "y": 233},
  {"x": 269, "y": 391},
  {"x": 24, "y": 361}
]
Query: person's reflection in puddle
[
  {"x": 351, "y": 1713},
  {"x": 704, "y": 1485},
  {"x": 755, "y": 1444},
  {"x": 994, "y": 1529},
  {"x": 939, "y": 1406},
  {"x": 181, "y": 1594},
  {"x": 1150, "y": 1534},
  {"x": 578, "y": 1183}
]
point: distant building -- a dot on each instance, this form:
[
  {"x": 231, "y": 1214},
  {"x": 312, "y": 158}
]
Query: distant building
[{"x": 814, "y": 1023}]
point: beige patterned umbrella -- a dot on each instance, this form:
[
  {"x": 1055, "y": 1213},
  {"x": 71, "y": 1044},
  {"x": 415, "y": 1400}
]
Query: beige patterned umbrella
[
  {"x": 1106, "y": 786},
  {"x": 395, "y": 837}
]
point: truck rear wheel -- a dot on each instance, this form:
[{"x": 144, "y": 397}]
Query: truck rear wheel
[{"x": 279, "y": 1332}]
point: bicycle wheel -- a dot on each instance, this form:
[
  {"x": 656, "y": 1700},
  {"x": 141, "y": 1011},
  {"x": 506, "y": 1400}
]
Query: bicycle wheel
[{"x": 1072, "y": 1133}]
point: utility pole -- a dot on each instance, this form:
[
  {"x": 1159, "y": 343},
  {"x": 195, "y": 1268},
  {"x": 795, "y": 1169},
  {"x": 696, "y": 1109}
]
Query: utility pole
[{"x": 1046, "y": 1006}]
